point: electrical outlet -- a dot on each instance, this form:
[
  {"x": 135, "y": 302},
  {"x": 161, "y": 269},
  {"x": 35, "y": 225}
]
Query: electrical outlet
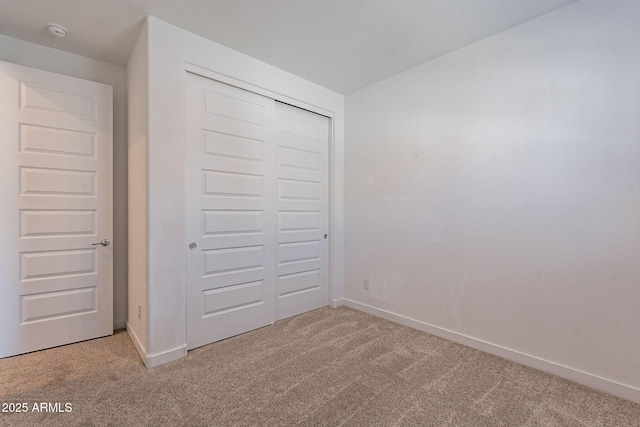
[
  {"x": 365, "y": 284},
  {"x": 139, "y": 312}
]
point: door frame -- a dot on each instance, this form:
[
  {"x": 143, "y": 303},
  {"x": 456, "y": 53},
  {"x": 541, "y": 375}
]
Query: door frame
[{"x": 333, "y": 301}]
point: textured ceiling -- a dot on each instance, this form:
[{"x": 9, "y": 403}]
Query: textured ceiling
[{"x": 339, "y": 44}]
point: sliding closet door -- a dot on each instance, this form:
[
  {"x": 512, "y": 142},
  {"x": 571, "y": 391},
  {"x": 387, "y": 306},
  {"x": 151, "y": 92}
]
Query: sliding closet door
[
  {"x": 231, "y": 255},
  {"x": 256, "y": 211},
  {"x": 303, "y": 140}
]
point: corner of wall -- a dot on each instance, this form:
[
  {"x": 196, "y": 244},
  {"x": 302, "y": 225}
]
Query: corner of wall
[
  {"x": 153, "y": 360},
  {"x": 138, "y": 301}
]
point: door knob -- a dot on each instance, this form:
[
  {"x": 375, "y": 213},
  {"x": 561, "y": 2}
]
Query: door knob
[
  {"x": 192, "y": 245},
  {"x": 103, "y": 242}
]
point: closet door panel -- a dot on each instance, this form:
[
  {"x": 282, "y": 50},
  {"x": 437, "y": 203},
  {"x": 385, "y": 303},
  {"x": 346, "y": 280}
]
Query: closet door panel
[
  {"x": 230, "y": 260},
  {"x": 302, "y": 203}
]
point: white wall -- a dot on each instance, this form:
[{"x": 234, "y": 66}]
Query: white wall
[
  {"x": 170, "y": 48},
  {"x": 493, "y": 195},
  {"x": 138, "y": 93},
  {"x": 48, "y": 59}
]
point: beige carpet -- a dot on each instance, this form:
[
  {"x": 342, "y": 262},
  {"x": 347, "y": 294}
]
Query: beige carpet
[{"x": 329, "y": 367}]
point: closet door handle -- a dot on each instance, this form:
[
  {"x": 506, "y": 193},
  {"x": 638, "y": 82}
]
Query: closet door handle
[{"x": 103, "y": 242}]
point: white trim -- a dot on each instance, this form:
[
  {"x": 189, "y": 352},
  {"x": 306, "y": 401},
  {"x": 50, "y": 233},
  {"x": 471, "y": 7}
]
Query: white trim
[
  {"x": 337, "y": 303},
  {"x": 608, "y": 386},
  {"x": 137, "y": 343},
  {"x": 151, "y": 360},
  {"x": 166, "y": 356},
  {"x": 214, "y": 75},
  {"x": 331, "y": 244}
]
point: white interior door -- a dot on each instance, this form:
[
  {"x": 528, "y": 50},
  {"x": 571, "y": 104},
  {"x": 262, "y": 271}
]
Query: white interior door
[
  {"x": 55, "y": 205},
  {"x": 256, "y": 211}
]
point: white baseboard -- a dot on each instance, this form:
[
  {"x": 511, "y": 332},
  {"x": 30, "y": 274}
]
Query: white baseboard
[
  {"x": 608, "y": 386},
  {"x": 337, "y": 303},
  {"x": 136, "y": 342},
  {"x": 151, "y": 360},
  {"x": 166, "y": 356}
]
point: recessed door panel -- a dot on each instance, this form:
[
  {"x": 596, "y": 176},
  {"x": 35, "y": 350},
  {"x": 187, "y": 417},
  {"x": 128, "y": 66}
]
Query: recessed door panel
[
  {"x": 57, "y": 222},
  {"x": 300, "y": 159},
  {"x": 232, "y": 222},
  {"x": 299, "y": 251},
  {"x": 45, "y": 265},
  {"x": 59, "y": 182},
  {"x": 56, "y": 99},
  {"x": 297, "y": 283},
  {"x": 233, "y": 146},
  {"x": 228, "y": 260},
  {"x": 297, "y": 189},
  {"x": 230, "y": 106},
  {"x": 301, "y": 127},
  {"x": 233, "y": 299},
  {"x": 53, "y": 141},
  {"x": 232, "y": 184},
  {"x": 47, "y": 306},
  {"x": 295, "y": 221}
]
